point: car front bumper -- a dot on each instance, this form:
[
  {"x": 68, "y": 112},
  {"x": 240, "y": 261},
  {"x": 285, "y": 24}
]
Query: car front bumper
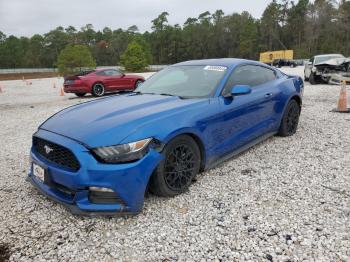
[{"x": 71, "y": 188}]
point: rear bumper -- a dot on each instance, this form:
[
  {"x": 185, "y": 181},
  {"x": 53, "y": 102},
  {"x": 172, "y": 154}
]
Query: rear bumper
[
  {"x": 71, "y": 189},
  {"x": 76, "y": 89}
]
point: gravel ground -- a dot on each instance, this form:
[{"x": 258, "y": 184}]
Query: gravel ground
[{"x": 287, "y": 199}]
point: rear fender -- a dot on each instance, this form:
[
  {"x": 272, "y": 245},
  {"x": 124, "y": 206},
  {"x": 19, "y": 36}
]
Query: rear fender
[{"x": 298, "y": 83}]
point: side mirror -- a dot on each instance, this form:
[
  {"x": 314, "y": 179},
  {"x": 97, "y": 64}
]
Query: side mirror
[{"x": 240, "y": 90}]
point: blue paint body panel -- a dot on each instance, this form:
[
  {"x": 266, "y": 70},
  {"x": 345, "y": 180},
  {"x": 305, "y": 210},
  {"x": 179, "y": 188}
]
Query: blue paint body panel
[{"x": 222, "y": 125}]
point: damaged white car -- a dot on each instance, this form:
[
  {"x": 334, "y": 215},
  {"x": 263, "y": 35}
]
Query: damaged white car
[{"x": 331, "y": 69}]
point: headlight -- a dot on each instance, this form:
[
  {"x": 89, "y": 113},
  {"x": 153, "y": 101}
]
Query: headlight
[{"x": 123, "y": 153}]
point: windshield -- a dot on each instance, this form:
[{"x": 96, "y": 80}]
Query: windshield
[
  {"x": 322, "y": 59},
  {"x": 184, "y": 81}
]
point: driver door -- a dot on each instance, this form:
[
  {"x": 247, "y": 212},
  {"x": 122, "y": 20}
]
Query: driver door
[
  {"x": 245, "y": 118},
  {"x": 114, "y": 79}
]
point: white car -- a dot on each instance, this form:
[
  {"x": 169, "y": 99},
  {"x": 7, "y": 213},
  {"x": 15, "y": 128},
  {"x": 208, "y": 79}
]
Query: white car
[{"x": 311, "y": 73}]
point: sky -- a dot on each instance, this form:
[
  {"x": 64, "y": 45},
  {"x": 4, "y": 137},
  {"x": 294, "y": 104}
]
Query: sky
[{"x": 29, "y": 17}]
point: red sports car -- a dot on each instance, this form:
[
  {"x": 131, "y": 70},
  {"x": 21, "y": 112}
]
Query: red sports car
[{"x": 98, "y": 82}]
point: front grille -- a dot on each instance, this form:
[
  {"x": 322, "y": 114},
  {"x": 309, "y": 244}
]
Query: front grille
[{"x": 56, "y": 153}]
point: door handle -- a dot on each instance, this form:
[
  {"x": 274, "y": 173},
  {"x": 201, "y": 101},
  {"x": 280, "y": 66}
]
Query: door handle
[{"x": 268, "y": 95}]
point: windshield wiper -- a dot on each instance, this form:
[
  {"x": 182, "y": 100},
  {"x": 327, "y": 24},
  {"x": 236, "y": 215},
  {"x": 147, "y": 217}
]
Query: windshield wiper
[
  {"x": 165, "y": 94},
  {"x": 142, "y": 93},
  {"x": 162, "y": 94}
]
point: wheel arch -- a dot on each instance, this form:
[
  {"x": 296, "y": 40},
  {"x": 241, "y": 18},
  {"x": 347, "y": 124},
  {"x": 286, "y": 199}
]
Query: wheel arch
[
  {"x": 201, "y": 147},
  {"x": 295, "y": 97},
  {"x": 138, "y": 79},
  {"x": 298, "y": 99},
  {"x": 196, "y": 139}
]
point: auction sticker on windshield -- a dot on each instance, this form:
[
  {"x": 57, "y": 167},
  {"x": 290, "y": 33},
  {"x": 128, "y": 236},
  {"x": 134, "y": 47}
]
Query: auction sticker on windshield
[{"x": 215, "y": 68}]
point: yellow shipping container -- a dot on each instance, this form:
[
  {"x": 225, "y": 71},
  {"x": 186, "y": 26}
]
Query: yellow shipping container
[{"x": 268, "y": 57}]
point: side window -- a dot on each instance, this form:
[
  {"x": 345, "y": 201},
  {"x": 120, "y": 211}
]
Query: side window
[
  {"x": 268, "y": 75},
  {"x": 101, "y": 73},
  {"x": 249, "y": 75},
  {"x": 240, "y": 76},
  {"x": 112, "y": 72}
]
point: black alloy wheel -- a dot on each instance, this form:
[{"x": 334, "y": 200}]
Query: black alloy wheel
[
  {"x": 290, "y": 120},
  {"x": 179, "y": 167},
  {"x": 98, "y": 89},
  {"x": 176, "y": 172}
]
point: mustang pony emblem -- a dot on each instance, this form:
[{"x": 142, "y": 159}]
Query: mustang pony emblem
[{"x": 48, "y": 149}]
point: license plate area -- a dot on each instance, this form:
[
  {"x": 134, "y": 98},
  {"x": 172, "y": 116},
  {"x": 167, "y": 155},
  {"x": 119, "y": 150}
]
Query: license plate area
[{"x": 39, "y": 172}]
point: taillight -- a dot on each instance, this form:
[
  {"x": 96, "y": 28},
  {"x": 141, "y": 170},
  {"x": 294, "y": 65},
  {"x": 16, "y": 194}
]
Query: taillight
[
  {"x": 72, "y": 82},
  {"x": 69, "y": 82}
]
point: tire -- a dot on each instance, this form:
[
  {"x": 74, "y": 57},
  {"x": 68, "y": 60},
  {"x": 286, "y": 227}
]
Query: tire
[
  {"x": 174, "y": 174},
  {"x": 80, "y": 94},
  {"x": 290, "y": 120},
  {"x": 312, "y": 79},
  {"x": 98, "y": 89},
  {"x": 137, "y": 83}
]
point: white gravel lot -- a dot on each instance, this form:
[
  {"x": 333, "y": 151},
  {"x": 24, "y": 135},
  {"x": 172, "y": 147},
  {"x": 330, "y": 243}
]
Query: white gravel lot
[{"x": 287, "y": 199}]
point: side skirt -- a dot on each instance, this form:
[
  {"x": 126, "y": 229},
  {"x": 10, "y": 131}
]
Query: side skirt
[{"x": 239, "y": 150}]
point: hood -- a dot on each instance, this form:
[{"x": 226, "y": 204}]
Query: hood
[
  {"x": 335, "y": 61},
  {"x": 108, "y": 121}
]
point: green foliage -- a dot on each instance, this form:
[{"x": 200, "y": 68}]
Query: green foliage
[
  {"x": 74, "y": 58},
  {"x": 159, "y": 22},
  {"x": 307, "y": 27},
  {"x": 134, "y": 58},
  {"x": 145, "y": 47}
]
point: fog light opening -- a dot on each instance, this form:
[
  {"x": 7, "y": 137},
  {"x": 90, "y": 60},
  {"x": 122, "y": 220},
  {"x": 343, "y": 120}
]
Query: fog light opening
[
  {"x": 104, "y": 196},
  {"x": 101, "y": 189}
]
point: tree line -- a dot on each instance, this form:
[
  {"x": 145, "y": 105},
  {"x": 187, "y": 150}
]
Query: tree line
[{"x": 307, "y": 27}]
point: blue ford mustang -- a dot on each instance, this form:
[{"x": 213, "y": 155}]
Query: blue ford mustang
[{"x": 100, "y": 157}]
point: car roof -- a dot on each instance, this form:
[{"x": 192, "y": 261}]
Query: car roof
[
  {"x": 329, "y": 55},
  {"x": 104, "y": 69},
  {"x": 227, "y": 62}
]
